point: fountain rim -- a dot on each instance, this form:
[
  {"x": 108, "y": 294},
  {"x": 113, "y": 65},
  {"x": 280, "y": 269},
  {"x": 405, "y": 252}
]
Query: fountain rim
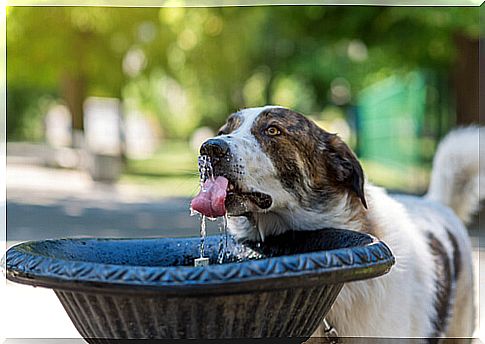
[{"x": 318, "y": 268}]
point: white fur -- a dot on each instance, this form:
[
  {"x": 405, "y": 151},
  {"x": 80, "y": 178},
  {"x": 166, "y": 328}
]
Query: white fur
[
  {"x": 458, "y": 178},
  {"x": 392, "y": 305},
  {"x": 401, "y": 303}
]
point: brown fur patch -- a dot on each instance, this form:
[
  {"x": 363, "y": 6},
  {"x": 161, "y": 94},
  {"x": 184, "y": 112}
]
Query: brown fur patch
[
  {"x": 233, "y": 122},
  {"x": 443, "y": 286},
  {"x": 314, "y": 165},
  {"x": 456, "y": 256}
]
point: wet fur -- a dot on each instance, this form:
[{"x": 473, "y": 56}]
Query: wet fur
[{"x": 315, "y": 182}]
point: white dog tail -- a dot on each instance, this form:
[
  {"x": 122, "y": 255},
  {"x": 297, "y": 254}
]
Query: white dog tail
[{"x": 458, "y": 180}]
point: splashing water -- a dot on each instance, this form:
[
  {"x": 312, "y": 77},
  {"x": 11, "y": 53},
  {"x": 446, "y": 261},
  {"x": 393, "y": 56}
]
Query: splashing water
[
  {"x": 222, "y": 241},
  {"x": 202, "y": 235},
  {"x": 205, "y": 169},
  {"x": 205, "y": 172}
]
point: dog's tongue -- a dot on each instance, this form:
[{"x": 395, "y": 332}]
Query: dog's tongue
[{"x": 210, "y": 200}]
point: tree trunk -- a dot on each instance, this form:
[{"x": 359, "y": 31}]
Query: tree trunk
[
  {"x": 466, "y": 73},
  {"x": 73, "y": 90}
]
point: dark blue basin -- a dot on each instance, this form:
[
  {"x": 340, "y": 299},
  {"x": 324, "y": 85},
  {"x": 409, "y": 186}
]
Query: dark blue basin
[{"x": 148, "y": 288}]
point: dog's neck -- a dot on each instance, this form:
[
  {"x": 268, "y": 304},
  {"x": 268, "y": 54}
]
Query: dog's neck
[{"x": 344, "y": 213}]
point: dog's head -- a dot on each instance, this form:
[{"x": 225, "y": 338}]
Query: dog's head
[{"x": 284, "y": 173}]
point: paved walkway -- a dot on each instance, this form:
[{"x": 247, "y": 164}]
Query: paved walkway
[
  {"x": 47, "y": 203},
  {"x": 51, "y": 203}
]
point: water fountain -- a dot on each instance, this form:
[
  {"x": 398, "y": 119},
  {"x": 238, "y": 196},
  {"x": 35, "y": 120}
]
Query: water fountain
[{"x": 149, "y": 288}]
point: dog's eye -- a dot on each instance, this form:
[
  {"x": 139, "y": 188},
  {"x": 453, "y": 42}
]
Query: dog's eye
[{"x": 272, "y": 131}]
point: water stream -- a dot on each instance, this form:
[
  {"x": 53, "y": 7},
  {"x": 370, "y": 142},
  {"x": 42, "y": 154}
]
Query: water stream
[
  {"x": 206, "y": 172},
  {"x": 223, "y": 241}
]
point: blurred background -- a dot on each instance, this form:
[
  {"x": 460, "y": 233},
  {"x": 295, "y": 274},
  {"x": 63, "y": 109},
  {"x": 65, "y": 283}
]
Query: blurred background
[
  {"x": 106, "y": 107},
  {"x": 138, "y": 89}
]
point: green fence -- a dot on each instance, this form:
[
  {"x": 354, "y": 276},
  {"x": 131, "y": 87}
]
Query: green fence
[{"x": 391, "y": 117}]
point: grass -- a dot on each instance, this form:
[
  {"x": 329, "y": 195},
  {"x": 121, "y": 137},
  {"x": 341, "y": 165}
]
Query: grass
[
  {"x": 409, "y": 179},
  {"x": 171, "y": 171}
]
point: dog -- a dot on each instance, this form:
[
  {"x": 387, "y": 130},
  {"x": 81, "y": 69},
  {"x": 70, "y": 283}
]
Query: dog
[{"x": 286, "y": 173}]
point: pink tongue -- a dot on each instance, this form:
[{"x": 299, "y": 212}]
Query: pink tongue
[{"x": 210, "y": 200}]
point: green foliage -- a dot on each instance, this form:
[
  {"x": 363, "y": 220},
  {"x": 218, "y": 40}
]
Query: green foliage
[
  {"x": 25, "y": 110},
  {"x": 171, "y": 171},
  {"x": 43, "y": 43},
  {"x": 192, "y": 66}
]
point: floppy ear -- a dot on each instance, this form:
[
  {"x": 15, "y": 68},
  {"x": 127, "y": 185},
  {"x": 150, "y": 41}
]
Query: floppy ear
[{"x": 346, "y": 167}]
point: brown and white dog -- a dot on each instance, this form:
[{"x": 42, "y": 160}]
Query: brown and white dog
[{"x": 286, "y": 173}]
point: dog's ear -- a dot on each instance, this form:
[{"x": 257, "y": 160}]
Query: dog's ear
[{"x": 346, "y": 167}]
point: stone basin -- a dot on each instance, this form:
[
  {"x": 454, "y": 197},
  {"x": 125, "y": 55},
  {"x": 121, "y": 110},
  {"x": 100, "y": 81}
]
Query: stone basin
[{"x": 149, "y": 288}]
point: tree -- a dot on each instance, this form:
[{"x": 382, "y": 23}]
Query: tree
[
  {"x": 71, "y": 51},
  {"x": 194, "y": 65}
]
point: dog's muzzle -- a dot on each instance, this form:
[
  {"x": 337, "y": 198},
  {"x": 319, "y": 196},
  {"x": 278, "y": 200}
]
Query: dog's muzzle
[{"x": 240, "y": 198}]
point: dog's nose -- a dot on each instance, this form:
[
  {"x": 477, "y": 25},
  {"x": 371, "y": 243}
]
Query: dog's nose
[{"x": 215, "y": 148}]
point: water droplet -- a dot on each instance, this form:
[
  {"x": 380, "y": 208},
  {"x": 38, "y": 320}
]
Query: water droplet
[
  {"x": 202, "y": 235},
  {"x": 223, "y": 243}
]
